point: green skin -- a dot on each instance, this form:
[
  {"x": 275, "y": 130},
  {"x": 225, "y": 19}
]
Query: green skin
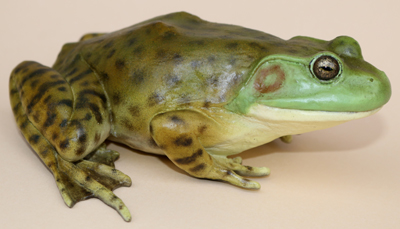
[{"x": 193, "y": 90}]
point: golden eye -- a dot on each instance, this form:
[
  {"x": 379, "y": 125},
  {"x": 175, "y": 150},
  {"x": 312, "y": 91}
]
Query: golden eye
[{"x": 326, "y": 68}]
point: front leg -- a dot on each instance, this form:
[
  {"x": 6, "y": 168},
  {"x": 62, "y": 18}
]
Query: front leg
[{"x": 179, "y": 134}]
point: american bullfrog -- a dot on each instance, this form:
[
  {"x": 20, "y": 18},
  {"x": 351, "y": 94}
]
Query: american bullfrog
[{"x": 192, "y": 90}]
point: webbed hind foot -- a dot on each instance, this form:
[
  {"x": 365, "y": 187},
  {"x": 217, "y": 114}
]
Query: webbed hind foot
[{"x": 86, "y": 179}]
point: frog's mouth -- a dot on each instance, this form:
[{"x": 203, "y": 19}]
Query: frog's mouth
[
  {"x": 292, "y": 121},
  {"x": 264, "y": 112}
]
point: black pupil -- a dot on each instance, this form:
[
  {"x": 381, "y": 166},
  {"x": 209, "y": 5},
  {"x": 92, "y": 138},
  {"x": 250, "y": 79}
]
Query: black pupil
[{"x": 326, "y": 68}]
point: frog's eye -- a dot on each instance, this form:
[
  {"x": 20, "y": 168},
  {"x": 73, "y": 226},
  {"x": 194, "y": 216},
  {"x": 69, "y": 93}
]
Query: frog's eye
[{"x": 325, "y": 68}]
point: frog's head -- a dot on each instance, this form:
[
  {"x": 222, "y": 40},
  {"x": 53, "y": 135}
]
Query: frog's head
[{"x": 311, "y": 79}]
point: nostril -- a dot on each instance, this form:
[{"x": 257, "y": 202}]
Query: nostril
[{"x": 371, "y": 80}]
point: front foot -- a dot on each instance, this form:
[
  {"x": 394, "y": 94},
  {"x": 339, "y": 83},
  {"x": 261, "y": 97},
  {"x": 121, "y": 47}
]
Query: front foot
[
  {"x": 232, "y": 170},
  {"x": 85, "y": 179}
]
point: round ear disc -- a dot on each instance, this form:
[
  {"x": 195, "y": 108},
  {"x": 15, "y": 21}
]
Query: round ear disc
[{"x": 325, "y": 68}]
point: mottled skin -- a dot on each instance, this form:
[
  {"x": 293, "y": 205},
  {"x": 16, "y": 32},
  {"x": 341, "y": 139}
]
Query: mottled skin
[{"x": 186, "y": 88}]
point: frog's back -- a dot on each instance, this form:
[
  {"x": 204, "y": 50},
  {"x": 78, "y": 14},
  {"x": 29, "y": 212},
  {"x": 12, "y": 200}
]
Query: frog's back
[{"x": 173, "y": 60}]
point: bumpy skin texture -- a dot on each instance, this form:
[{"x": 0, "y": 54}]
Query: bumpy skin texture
[{"x": 173, "y": 85}]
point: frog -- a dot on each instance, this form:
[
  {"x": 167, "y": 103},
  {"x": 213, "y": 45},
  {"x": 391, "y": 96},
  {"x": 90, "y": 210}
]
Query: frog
[{"x": 196, "y": 91}]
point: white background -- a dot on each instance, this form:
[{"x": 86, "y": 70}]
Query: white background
[{"x": 344, "y": 177}]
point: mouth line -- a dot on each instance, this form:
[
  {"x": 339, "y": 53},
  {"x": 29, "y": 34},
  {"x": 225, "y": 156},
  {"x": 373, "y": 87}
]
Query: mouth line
[{"x": 267, "y": 113}]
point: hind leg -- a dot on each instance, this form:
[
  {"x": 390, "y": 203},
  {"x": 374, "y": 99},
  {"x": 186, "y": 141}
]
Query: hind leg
[{"x": 66, "y": 132}]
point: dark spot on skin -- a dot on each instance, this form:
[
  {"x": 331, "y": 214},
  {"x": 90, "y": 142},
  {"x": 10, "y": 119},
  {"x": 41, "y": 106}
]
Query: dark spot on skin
[
  {"x": 172, "y": 80},
  {"x": 108, "y": 45},
  {"x": 13, "y": 91},
  {"x": 66, "y": 102},
  {"x": 177, "y": 120},
  {"x": 62, "y": 88},
  {"x": 120, "y": 207},
  {"x": 96, "y": 111},
  {"x": 116, "y": 98},
  {"x": 88, "y": 179},
  {"x": 41, "y": 91},
  {"x": 64, "y": 122},
  {"x": 84, "y": 84},
  {"x": 138, "y": 76},
  {"x": 257, "y": 46},
  {"x": 131, "y": 41},
  {"x": 104, "y": 76},
  {"x": 114, "y": 198},
  {"x": 64, "y": 144},
  {"x": 110, "y": 54},
  {"x": 211, "y": 59},
  {"x": 51, "y": 117},
  {"x": 177, "y": 58},
  {"x": 36, "y": 73},
  {"x": 34, "y": 84},
  {"x": 16, "y": 107},
  {"x": 249, "y": 168},
  {"x": 82, "y": 138},
  {"x": 71, "y": 72},
  {"x": 190, "y": 159},
  {"x": 54, "y": 76},
  {"x": 81, "y": 102},
  {"x": 260, "y": 78},
  {"x": 183, "y": 141},
  {"x": 24, "y": 124},
  {"x": 207, "y": 104},
  {"x": 44, "y": 153},
  {"x": 94, "y": 93},
  {"x": 232, "y": 45},
  {"x": 127, "y": 124},
  {"x": 55, "y": 136},
  {"x": 77, "y": 124},
  {"x": 46, "y": 100},
  {"x": 80, "y": 151},
  {"x": 198, "y": 168},
  {"x": 34, "y": 139},
  {"x": 212, "y": 81},
  {"x": 97, "y": 137},
  {"x": 88, "y": 116},
  {"x": 114, "y": 171},
  {"x": 134, "y": 111},
  {"x": 50, "y": 164},
  {"x": 168, "y": 35},
  {"x": 119, "y": 64},
  {"x": 161, "y": 54},
  {"x": 202, "y": 129},
  {"x": 23, "y": 66},
  {"x": 80, "y": 76},
  {"x": 184, "y": 98},
  {"x": 36, "y": 117},
  {"x": 154, "y": 99},
  {"x": 229, "y": 173},
  {"x": 139, "y": 50}
]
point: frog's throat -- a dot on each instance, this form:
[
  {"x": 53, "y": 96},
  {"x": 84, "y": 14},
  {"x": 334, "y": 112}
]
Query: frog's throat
[{"x": 290, "y": 121}]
